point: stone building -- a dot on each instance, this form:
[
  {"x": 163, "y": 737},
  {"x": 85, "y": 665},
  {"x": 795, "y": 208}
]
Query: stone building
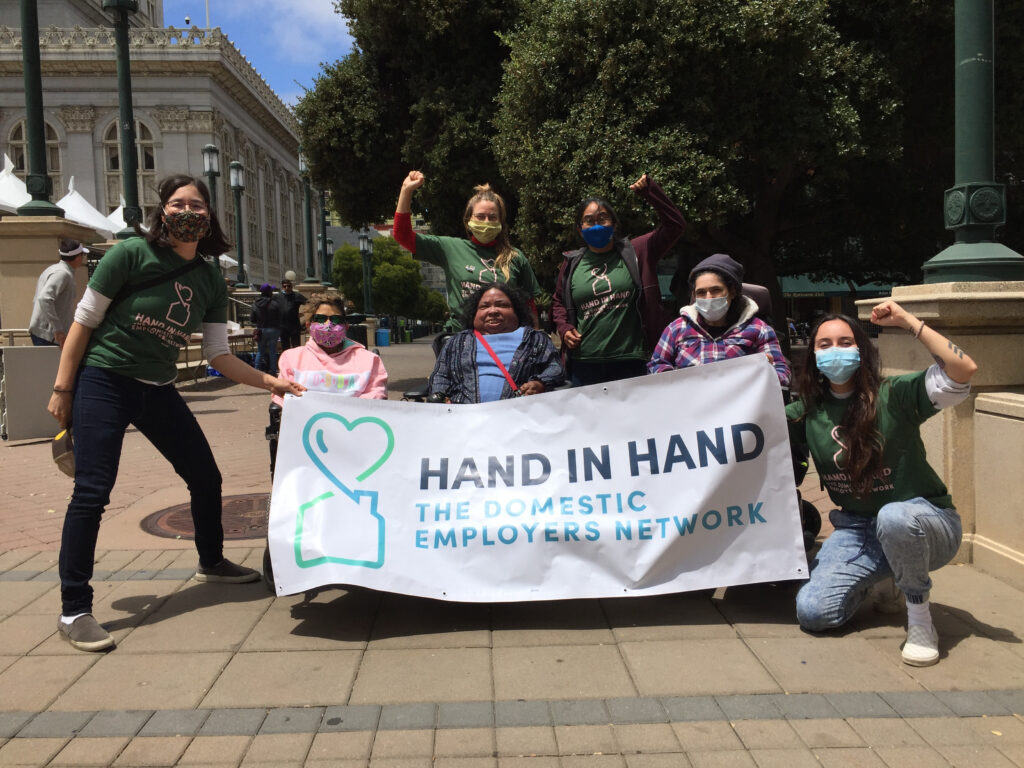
[{"x": 190, "y": 88}]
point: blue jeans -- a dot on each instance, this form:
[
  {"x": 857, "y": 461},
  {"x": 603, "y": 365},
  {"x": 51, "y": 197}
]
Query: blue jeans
[
  {"x": 583, "y": 373},
  {"x": 266, "y": 350},
  {"x": 907, "y": 540},
  {"x": 104, "y": 405},
  {"x": 38, "y": 341}
]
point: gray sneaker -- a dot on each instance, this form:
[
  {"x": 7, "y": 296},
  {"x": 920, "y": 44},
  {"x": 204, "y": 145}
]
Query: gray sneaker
[
  {"x": 227, "y": 572},
  {"x": 86, "y": 634}
]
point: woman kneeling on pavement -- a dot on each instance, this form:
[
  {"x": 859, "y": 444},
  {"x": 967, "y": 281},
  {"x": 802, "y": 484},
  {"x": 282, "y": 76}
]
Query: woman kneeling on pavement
[
  {"x": 895, "y": 516},
  {"x": 118, "y": 368},
  {"x": 501, "y": 357}
]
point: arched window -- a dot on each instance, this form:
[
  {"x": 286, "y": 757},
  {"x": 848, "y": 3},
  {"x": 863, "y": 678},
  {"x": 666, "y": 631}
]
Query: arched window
[
  {"x": 253, "y": 238},
  {"x": 146, "y": 167},
  {"x": 18, "y": 151},
  {"x": 269, "y": 219},
  {"x": 285, "y": 206},
  {"x": 226, "y": 214},
  {"x": 300, "y": 243}
]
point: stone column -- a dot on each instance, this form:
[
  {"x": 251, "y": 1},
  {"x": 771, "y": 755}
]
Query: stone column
[{"x": 986, "y": 320}]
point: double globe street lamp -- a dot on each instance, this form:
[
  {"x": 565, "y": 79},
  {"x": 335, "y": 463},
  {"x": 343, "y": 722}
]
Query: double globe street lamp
[
  {"x": 211, "y": 170},
  {"x": 236, "y": 176},
  {"x": 366, "y": 251}
]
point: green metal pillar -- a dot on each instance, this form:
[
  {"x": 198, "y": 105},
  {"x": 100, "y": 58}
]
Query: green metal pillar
[
  {"x": 129, "y": 154},
  {"x": 306, "y": 214},
  {"x": 976, "y": 205},
  {"x": 37, "y": 182},
  {"x": 327, "y": 269}
]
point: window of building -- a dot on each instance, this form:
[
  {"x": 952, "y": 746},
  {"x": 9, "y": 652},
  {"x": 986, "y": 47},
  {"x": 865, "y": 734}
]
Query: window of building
[
  {"x": 285, "y": 206},
  {"x": 18, "y": 152},
  {"x": 269, "y": 219},
  {"x": 146, "y": 168},
  {"x": 253, "y": 238}
]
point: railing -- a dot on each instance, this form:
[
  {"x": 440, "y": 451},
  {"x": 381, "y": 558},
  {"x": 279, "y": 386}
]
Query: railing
[{"x": 15, "y": 337}]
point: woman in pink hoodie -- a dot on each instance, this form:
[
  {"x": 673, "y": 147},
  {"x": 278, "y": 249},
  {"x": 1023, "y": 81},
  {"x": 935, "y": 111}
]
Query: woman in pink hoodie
[{"x": 329, "y": 361}]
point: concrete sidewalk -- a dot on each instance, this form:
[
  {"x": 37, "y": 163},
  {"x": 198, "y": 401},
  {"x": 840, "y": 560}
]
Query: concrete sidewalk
[{"x": 228, "y": 675}]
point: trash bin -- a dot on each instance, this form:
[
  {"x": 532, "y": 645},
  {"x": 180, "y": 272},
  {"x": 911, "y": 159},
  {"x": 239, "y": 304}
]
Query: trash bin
[
  {"x": 408, "y": 335},
  {"x": 358, "y": 333},
  {"x": 383, "y": 337}
]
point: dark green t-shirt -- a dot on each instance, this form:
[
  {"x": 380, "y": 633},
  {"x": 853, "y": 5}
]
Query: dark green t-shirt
[
  {"x": 607, "y": 317},
  {"x": 903, "y": 405},
  {"x": 467, "y": 266},
  {"x": 140, "y": 336}
]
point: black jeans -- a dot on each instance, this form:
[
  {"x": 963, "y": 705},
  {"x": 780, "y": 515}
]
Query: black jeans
[
  {"x": 291, "y": 337},
  {"x": 582, "y": 373},
  {"x": 105, "y": 404}
]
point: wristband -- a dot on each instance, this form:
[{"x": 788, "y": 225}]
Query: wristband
[{"x": 919, "y": 329}]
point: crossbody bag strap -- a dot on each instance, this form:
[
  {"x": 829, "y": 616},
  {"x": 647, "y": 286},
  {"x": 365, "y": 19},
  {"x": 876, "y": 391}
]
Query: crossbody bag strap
[
  {"x": 501, "y": 366},
  {"x": 128, "y": 290}
]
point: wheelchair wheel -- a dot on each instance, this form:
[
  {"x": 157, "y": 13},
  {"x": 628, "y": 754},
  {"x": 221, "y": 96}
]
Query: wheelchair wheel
[
  {"x": 810, "y": 521},
  {"x": 268, "y": 570}
]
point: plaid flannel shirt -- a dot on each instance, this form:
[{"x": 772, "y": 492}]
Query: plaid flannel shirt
[{"x": 684, "y": 343}]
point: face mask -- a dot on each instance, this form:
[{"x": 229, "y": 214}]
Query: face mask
[
  {"x": 713, "y": 310},
  {"x": 328, "y": 335},
  {"x": 837, "y": 364},
  {"x": 598, "y": 236},
  {"x": 484, "y": 231},
  {"x": 187, "y": 226}
]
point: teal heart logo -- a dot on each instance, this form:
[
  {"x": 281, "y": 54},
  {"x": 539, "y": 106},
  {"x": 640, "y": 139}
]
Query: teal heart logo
[{"x": 315, "y": 443}]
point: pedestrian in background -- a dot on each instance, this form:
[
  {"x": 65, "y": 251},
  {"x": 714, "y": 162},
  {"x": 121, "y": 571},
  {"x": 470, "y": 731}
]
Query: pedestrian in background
[
  {"x": 53, "y": 306},
  {"x": 266, "y": 315},
  {"x": 291, "y": 302}
]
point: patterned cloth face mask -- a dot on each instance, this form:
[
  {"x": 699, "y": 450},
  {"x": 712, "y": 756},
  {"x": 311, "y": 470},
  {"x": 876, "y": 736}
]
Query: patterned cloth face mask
[
  {"x": 328, "y": 335},
  {"x": 187, "y": 226}
]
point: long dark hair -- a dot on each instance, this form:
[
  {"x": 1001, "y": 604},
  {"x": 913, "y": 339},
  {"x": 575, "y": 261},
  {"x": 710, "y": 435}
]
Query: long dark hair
[
  {"x": 214, "y": 244},
  {"x": 601, "y": 203},
  {"x": 520, "y": 304},
  {"x": 862, "y": 439}
]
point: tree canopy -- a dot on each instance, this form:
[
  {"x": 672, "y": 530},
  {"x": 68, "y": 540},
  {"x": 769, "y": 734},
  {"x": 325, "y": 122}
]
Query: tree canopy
[{"x": 398, "y": 287}]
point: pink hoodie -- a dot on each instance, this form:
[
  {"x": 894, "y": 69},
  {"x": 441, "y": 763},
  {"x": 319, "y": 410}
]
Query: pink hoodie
[{"x": 352, "y": 372}]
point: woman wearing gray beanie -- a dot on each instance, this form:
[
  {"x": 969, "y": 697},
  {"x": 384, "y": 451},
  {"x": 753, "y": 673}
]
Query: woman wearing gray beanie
[{"x": 720, "y": 323}]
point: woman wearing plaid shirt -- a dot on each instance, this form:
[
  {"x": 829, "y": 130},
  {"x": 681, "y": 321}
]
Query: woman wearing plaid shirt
[{"x": 719, "y": 324}]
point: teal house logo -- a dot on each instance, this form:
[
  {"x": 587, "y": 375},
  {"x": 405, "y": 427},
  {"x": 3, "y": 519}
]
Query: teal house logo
[{"x": 352, "y": 511}]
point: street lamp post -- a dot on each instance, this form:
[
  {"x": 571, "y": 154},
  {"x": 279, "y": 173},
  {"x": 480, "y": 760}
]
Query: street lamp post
[
  {"x": 129, "y": 155},
  {"x": 308, "y": 229},
  {"x": 211, "y": 170},
  {"x": 329, "y": 263},
  {"x": 236, "y": 175},
  {"x": 325, "y": 275},
  {"x": 366, "y": 251},
  {"x": 38, "y": 183}
]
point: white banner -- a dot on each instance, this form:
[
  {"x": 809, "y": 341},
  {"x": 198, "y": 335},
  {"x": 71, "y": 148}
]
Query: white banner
[{"x": 665, "y": 483}]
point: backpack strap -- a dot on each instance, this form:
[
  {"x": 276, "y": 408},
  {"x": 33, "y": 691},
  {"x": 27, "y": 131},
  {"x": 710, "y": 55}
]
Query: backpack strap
[{"x": 128, "y": 289}]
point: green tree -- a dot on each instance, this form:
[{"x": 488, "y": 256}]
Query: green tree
[
  {"x": 418, "y": 92},
  {"x": 397, "y": 282},
  {"x": 734, "y": 106}
]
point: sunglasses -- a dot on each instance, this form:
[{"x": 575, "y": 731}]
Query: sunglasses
[{"x": 336, "y": 319}]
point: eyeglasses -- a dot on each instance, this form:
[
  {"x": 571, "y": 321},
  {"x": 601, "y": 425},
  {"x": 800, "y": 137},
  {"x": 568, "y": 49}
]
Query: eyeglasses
[
  {"x": 598, "y": 219},
  {"x": 335, "y": 319},
  {"x": 198, "y": 206}
]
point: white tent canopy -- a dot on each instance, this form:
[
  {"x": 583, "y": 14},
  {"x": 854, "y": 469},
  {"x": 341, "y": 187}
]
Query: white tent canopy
[
  {"x": 12, "y": 189},
  {"x": 78, "y": 209},
  {"x": 116, "y": 217}
]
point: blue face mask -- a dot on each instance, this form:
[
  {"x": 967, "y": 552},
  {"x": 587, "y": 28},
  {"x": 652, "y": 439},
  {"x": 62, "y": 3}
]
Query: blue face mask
[
  {"x": 598, "y": 236},
  {"x": 837, "y": 364}
]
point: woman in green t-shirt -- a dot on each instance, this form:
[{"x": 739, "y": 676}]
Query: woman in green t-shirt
[
  {"x": 484, "y": 257},
  {"x": 118, "y": 368},
  {"x": 895, "y": 517}
]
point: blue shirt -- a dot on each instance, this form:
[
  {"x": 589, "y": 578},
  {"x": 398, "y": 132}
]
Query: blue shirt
[{"x": 489, "y": 376}]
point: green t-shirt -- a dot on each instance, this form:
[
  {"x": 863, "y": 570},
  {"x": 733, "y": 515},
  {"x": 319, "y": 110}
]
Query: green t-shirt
[
  {"x": 607, "y": 317},
  {"x": 140, "y": 336},
  {"x": 467, "y": 266},
  {"x": 903, "y": 405}
]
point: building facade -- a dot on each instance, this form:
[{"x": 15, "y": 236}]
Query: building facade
[{"x": 190, "y": 88}]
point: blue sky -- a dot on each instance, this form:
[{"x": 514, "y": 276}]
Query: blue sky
[{"x": 285, "y": 40}]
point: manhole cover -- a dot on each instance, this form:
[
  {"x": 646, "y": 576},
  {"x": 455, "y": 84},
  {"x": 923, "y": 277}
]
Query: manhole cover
[{"x": 243, "y": 517}]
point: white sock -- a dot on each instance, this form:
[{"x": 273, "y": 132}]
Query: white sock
[
  {"x": 70, "y": 619},
  {"x": 919, "y": 613}
]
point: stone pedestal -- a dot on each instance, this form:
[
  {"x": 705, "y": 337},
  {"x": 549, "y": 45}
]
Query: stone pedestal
[
  {"x": 28, "y": 245},
  {"x": 986, "y": 320}
]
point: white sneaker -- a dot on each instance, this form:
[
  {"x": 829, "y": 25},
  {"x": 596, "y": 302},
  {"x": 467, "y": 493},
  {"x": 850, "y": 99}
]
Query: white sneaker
[{"x": 922, "y": 646}]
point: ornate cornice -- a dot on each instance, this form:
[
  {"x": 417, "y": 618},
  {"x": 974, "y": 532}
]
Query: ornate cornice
[
  {"x": 157, "y": 52},
  {"x": 78, "y": 119},
  {"x": 172, "y": 119},
  {"x": 201, "y": 122}
]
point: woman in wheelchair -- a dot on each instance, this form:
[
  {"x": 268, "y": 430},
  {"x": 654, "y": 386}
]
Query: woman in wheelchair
[
  {"x": 501, "y": 357},
  {"x": 328, "y": 362}
]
